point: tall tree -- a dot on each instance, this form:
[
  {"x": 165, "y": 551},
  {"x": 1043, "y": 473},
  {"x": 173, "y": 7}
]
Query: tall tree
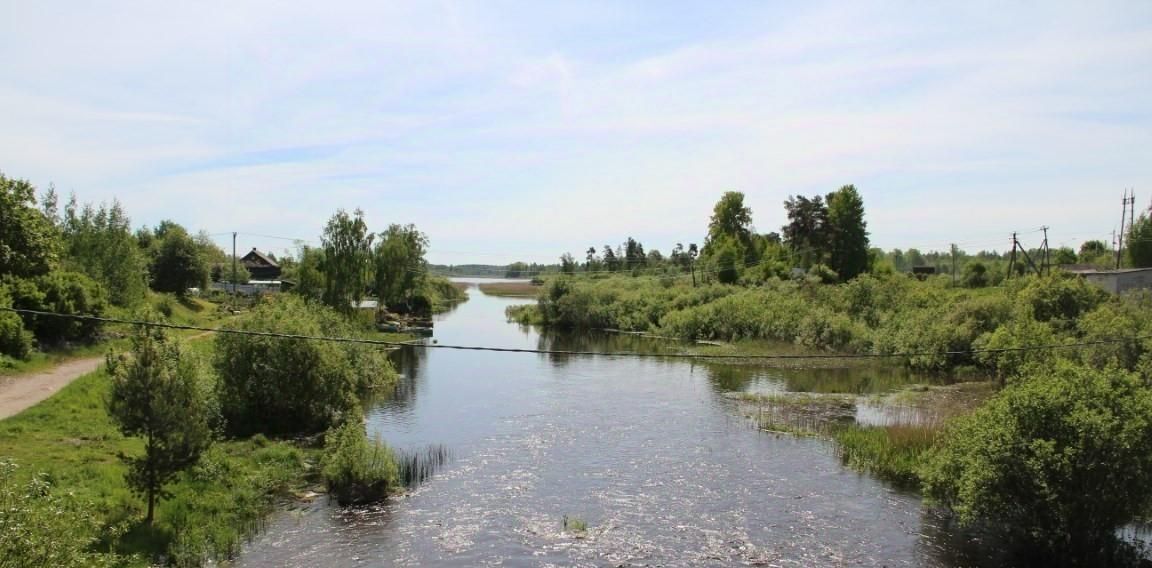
[
  {"x": 178, "y": 263},
  {"x": 847, "y": 233},
  {"x": 567, "y": 264},
  {"x": 732, "y": 219},
  {"x": 400, "y": 265},
  {"x": 29, "y": 242},
  {"x": 159, "y": 394},
  {"x": 98, "y": 241},
  {"x": 807, "y": 230},
  {"x": 1138, "y": 242},
  {"x": 347, "y": 260}
]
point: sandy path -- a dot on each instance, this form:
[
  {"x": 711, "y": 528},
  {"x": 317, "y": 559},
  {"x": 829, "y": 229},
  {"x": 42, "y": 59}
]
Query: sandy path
[
  {"x": 22, "y": 391},
  {"x": 19, "y": 392}
]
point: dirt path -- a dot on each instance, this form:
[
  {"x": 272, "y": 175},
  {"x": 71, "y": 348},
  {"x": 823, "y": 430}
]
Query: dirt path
[{"x": 22, "y": 391}]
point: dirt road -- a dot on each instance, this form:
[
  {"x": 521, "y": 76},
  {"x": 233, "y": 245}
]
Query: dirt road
[{"x": 22, "y": 391}]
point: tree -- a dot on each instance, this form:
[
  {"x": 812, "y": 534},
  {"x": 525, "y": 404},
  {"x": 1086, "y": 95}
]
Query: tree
[
  {"x": 159, "y": 393},
  {"x": 347, "y": 259},
  {"x": 592, "y": 263},
  {"x": 807, "y": 230},
  {"x": 1090, "y": 250},
  {"x": 279, "y": 387},
  {"x": 726, "y": 253},
  {"x": 309, "y": 276},
  {"x": 58, "y": 292},
  {"x": 1139, "y": 242},
  {"x": 1063, "y": 255},
  {"x": 732, "y": 219},
  {"x": 178, "y": 263},
  {"x": 975, "y": 275},
  {"x": 400, "y": 265},
  {"x": 29, "y": 243},
  {"x": 517, "y": 270},
  {"x": 567, "y": 264},
  {"x": 610, "y": 261},
  {"x": 99, "y": 242},
  {"x": 847, "y": 233},
  {"x": 1059, "y": 460}
]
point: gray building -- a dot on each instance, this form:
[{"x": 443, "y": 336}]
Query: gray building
[{"x": 1117, "y": 281}]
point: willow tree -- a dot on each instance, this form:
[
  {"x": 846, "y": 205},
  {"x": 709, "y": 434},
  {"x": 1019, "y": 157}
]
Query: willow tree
[{"x": 347, "y": 260}]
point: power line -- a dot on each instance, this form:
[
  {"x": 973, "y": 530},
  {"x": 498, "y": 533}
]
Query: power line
[{"x": 380, "y": 342}]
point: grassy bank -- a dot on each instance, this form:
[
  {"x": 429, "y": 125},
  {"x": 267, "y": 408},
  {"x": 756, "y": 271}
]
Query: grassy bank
[
  {"x": 936, "y": 323},
  {"x": 71, "y": 438},
  {"x": 523, "y": 289}
]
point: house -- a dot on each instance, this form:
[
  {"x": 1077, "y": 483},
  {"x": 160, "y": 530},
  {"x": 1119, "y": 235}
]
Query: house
[
  {"x": 261, "y": 266},
  {"x": 1117, "y": 281}
]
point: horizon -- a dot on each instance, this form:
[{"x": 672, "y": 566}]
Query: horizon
[{"x": 518, "y": 132}]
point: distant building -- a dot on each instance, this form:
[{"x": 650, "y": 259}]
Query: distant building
[
  {"x": 1117, "y": 281},
  {"x": 261, "y": 266},
  {"x": 922, "y": 272}
]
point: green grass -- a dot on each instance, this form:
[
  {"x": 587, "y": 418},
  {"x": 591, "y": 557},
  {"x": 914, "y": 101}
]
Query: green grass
[
  {"x": 186, "y": 311},
  {"x": 213, "y": 506},
  {"x": 893, "y": 453}
]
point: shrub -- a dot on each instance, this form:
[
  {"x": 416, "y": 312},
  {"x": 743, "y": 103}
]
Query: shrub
[
  {"x": 1060, "y": 460},
  {"x": 355, "y": 469},
  {"x": 15, "y": 341},
  {"x": 281, "y": 386},
  {"x": 39, "y": 527},
  {"x": 59, "y": 292}
]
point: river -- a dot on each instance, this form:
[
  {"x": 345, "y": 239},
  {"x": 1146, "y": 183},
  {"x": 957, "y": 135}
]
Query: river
[{"x": 649, "y": 453}]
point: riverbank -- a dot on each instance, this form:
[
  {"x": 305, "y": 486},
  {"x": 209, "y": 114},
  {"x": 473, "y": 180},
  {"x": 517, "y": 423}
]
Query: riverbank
[{"x": 519, "y": 289}]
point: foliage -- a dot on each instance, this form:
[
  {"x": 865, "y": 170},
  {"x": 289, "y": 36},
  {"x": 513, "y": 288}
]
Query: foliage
[
  {"x": 400, "y": 266},
  {"x": 29, "y": 244},
  {"x": 58, "y": 292},
  {"x": 726, "y": 253},
  {"x": 731, "y": 220},
  {"x": 41, "y": 527},
  {"x": 15, "y": 341},
  {"x": 159, "y": 394},
  {"x": 975, "y": 275},
  {"x": 178, "y": 261},
  {"x": 1138, "y": 242},
  {"x": 1059, "y": 459},
  {"x": 215, "y": 504},
  {"x": 284, "y": 387},
  {"x": 847, "y": 233},
  {"x": 894, "y": 453},
  {"x": 347, "y": 259},
  {"x": 99, "y": 242},
  {"x": 806, "y": 233},
  {"x": 355, "y": 469},
  {"x": 309, "y": 273}
]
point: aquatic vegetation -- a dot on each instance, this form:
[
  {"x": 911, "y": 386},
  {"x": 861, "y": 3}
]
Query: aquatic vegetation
[{"x": 356, "y": 469}]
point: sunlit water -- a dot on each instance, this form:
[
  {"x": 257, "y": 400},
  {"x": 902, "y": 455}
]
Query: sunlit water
[{"x": 650, "y": 454}]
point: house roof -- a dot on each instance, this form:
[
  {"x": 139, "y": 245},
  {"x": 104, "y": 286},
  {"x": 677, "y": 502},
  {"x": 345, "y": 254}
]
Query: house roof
[{"x": 258, "y": 258}]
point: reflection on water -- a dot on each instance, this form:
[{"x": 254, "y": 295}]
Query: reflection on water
[{"x": 648, "y": 452}]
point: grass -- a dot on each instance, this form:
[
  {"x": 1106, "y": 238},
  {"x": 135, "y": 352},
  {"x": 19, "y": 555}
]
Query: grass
[
  {"x": 893, "y": 453},
  {"x": 183, "y": 311},
  {"x": 213, "y": 506},
  {"x": 510, "y": 289}
]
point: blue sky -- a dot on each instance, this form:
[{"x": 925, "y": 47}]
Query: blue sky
[{"x": 518, "y": 131}]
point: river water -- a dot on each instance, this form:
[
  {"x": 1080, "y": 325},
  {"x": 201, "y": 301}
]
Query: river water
[{"x": 650, "y": 454}]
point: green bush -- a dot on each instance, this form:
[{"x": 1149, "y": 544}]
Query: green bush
[
  {"x": 58, "y": 292},
  {"x": 280, "y": 386},
  {"x": 40, "y": 527},
  {"x": 15, "y": 341},
  {"x": 1059, "y": 460},
  {"x": 355, "y": 469}
]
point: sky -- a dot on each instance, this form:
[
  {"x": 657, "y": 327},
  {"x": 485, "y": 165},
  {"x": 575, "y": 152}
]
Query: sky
[{"x": 521, "y": 130}]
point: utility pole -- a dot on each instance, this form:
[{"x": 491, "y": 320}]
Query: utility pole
[
  {"x": 1047, "y": 266},
  {"x": 1120, "y": 238},
  {"x": 233, "y": 271},
  {"x": 1012, "y": 259},
  {"x": 953, "y": 264}
]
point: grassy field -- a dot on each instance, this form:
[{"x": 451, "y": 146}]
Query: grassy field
[
  {"x": 510, "y": 289},
  {"x": 212, "y": 507}
]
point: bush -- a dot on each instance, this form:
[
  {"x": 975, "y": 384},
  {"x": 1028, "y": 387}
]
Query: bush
[
  {"x": 15, "y": 341},
  {"x": 1059, "y": 460},
  {"x": 281, "y": 386},
  {"x": 39, "y": 527},
  {"x": 59, "y": 292},
  {"x": 356, "y": 470}
]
